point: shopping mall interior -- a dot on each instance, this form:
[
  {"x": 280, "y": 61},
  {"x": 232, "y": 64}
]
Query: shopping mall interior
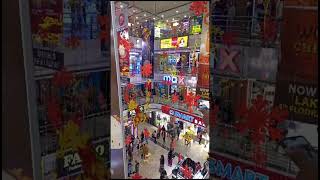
[{"x": 221, "y": 89}]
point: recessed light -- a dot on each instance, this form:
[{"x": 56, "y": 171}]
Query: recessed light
[
  {"x": 177, "y": 11},
  {"x": 162, "y": 15},
  {"x": 134, "y": 11},
  {"x": 137, "y": 17},
  {"x": 154, "y": 18},
  {"x": 146, "y": 20},
  {"x": 185, "y": 16},
  {"x": 144, "y": 15},
  {"x": 172, "y": 19},
  {"x": 121, "y": 6},
  {"x": 167, "y": 20},
  {"x": 137, "y": 22}
]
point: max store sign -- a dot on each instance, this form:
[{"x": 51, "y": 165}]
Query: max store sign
[
  {"x": 174, "y": 79},
  {"x": 183, "y": 116}
]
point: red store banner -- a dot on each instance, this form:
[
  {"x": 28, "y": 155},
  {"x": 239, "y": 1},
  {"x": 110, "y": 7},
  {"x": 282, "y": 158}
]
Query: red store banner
[
  {"x": 299, "y": 45},
  {"x": 183, "y": 116},
  {"x": 228, "y": 168}
]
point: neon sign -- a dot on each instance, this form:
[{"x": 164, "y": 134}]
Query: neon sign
[{"x": 172, "y": 79}]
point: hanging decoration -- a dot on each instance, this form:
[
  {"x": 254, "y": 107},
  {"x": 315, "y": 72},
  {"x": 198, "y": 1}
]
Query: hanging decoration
[
  {"x": 136, "y": 176},
  {"x": 132, "y": 105},
  {"x": 259, "y": 122},
  {"x": 62, "y": 78},
  {"x": 186, "y": 172},
  {"x": 174, "y": 98},
  {"x": 146, "y": 70},
  {"x": 198, "y": 7}
]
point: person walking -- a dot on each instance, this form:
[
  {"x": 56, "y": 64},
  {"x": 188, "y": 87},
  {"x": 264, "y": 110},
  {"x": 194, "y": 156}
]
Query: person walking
[
  {"x": 200, "y": 138},
  {"x": 142, "y": 137},
  {"x": 141, "y": 151},
  {"x": 178, "y": 132},
  {"x": 170, "y": 158},
  {"x": 180, "y": 157},
  {"x": 129, "y": 169},
  {"x": 161, "y": 164},
  {"x": 137, "y": 167},
  {"x": 164, "y": 137}
]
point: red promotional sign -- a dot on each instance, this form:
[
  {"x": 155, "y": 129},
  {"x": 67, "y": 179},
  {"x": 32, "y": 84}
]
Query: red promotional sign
[
  {"x": 227, "y": 168},
  {"x": 299, "y": 45},
  {"x": 183, "y": 115}
]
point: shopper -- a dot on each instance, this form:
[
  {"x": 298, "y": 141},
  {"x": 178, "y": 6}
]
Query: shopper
[
  {"x": 163, "y": 130},
  {"x": 163, "y": 174},
  {"x": 170, "y": 156},
  {"x": 137, "y": 167},
  {"x": 200, "y": 138},
  {"x": 180, "y": 157},
  {"x": 198, "y": 166},
  {"x": 164, "y": 138},
  {"x": 159, "y": 132},
  {"x": 141, "y": 151},
  {"x": 129, "y": 168},
  {"x": 178, "y": 132},
  {"x": 142, "y": 137},
  {"x": 161, "y": 164}
]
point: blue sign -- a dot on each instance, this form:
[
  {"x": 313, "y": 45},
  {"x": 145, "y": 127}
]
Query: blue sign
[{"x": 182, "y": 116}]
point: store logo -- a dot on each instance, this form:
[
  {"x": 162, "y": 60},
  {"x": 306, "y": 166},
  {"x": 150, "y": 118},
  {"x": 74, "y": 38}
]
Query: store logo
[
  {"x": 172, "y": 79},
  {"x": 217, "y": 168},
  {"x": 181, "y": 115},
  {"x": 181, "y": 80},
  {"x": 72, "y": 161}
]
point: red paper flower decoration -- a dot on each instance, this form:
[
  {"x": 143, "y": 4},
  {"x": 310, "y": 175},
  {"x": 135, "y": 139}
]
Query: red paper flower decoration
[
  {"x": 146, "y": 133},
  {"x": 130, "y": 86},
  {"x": 198, "y": 7},
  {"x": 126, "y": 96},
  {"x": 194, "y": 71},
  {"x": 54, "y": 113},
  {"x": 136, "y": 176},
  {"x": 270, "y": 30},
  {"x": 174, "y": 98},
  {"x": 229, "y": 38},
  {"x": 259, "y": 122},
  {"x": 62, "y": 78},
  {"x": 146, "y": 70}
]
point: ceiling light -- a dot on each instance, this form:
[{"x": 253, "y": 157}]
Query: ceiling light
[
  {"x": 137, "y": 22},
  {"x": 129, "y": 24},
  {"x": 134, "y": 11},
  {"x": 137, "y": 17},
  {"x": 144, "y": 15},
  {"x": 154, "y": 18},
  {"x": 172, "y": 19},
  {"x": 146, "y": 20},
  {"x": 162, "y": 15},
  {"x": 121, "y": 6},
  {"x": 167, "y": 20},
  {"x": 185, "y": 16},
  {"x": 177, "y": 11}
]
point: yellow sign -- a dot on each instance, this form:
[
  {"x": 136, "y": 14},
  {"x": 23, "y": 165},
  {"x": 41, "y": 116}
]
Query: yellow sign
[
  {"x": 196, "y": 29},
  {"x": 175, "y": 42}
]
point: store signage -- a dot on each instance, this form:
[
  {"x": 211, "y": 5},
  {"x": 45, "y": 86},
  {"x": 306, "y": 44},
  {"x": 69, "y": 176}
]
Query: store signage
[
  {"x": 71, "y": 162},
  {"x": 172, "y": 79},
  {"x": 227, "y": 168},
  {"x": 174, "y": 42},
  {"x": 300, "y": 99},
  {"x": 157, "y": 32},
  {"x": 203, "y": 92},
  {"x": 48, "y": 59},
  {"x": 196, "y": 29},
  {"x": 183, "y": 115},
  {"x": 181, "y": 80}
]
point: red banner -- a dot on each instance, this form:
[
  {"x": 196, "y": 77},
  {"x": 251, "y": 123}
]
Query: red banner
[
  {"x": 299, "y": 45},
  {"x": 227, "y": 168},
  {"x": 183, "y": 115}
]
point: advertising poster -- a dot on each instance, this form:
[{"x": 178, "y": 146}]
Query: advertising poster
[
  {"x": 301, "y": 100},
  {"x": 148, "y": 44},
  {"x": 203, "y": 65},
  {"x": 262, "y": 63},
  {"x": 299, "y": 45},
  {"x": 230, "y": 61},
  {"x": 174, "y": 42},
  {"x": 123, "y": 40},
  {"x": 46, "y": 28}
]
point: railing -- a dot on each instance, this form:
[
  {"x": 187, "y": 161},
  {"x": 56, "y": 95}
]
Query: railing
[
  {"x": 249, "y": 30},
  {"x": 239, "y": 146},
  {"x": 159, "y": 100}
]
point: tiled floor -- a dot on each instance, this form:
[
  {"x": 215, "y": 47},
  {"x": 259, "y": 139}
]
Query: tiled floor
[{"x": 150, "y": 167}]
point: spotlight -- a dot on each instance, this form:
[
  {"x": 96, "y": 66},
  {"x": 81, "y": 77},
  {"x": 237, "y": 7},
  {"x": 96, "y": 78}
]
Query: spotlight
[{"x": 137, "y": 17}]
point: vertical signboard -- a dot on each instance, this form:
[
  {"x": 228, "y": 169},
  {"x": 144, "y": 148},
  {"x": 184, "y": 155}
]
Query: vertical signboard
[
  {"x": 121, "y": 25},
  {"x": 148, "y": 44},
  {"x": 299, "y": 45}
]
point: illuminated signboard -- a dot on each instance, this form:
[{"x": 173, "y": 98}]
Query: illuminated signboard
[
  {"x": 181, "y": 42},
  {"x": 171, "y": 79},
  {"x": 196, "y": 29},
  {"x": 228, "y": 168},
  {"x": 183, "y": 116}
]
